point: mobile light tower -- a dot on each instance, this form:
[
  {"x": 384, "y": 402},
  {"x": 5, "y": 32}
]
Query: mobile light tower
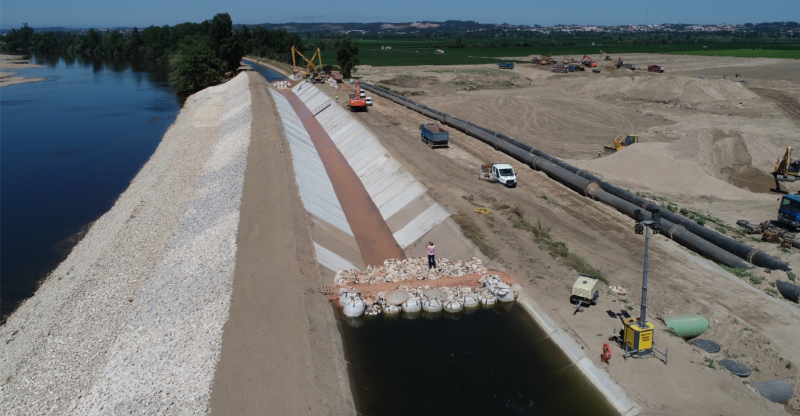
[{"x": 638, "y": 334}]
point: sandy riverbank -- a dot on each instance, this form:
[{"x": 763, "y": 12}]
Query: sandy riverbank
[{"x": 8, "y": 63}]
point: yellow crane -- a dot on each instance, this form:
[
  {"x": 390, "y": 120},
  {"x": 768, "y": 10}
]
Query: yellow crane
[{"x": 311, "y": 70}]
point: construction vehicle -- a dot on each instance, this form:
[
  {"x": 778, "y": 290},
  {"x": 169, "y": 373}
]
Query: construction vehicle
[
  {"x": 505, "y": 65},
  {"x": 605, "y": 56},
  {"x": 358, "y": 101},
  {"x": 585, "y": 291},
  {"x": 786, "y": 169},
  {"x": 621, "y": 143},
  {"x": 434, "y": 135},
  {"x": 789, "y": 211},
  {"x": 312, "y": 70},
  {"x": 498, "y": 172},
  {"x": 546, "y": 59},
  {"x": 588, "y": 61},
  {"x": 622, "y": 64},
  {"x": 567, "y": 60},
  {"x": 559, "y": 68},
  {"x": 655, "y": 68}
]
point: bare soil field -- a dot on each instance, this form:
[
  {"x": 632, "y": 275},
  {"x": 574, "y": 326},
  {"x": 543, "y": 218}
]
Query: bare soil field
[{"x": 708, "y": 142}]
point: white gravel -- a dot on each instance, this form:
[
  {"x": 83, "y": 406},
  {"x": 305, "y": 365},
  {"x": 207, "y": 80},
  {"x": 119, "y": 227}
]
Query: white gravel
[{"x": 131, "y": 322}]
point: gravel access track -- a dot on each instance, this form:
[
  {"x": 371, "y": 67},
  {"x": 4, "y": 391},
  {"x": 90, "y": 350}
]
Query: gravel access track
[{"x": 131, "y": 321}]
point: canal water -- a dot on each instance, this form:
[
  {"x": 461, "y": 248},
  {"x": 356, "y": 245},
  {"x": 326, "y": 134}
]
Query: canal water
[
  {"x": 492, "y": 362},
  {"x": 70, "y": 146}
]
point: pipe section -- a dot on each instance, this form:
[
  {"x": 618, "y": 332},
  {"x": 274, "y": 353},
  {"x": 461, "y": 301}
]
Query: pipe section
[{"x": 707, "y": 242}]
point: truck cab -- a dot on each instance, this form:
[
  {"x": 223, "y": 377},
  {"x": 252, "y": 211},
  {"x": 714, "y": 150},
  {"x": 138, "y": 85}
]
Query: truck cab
[
  {"x": 504, "y": 174},
  {"x": 789, "y": 211}
]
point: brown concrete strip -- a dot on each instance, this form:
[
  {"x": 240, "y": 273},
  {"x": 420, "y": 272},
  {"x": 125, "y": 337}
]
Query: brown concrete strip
[
  {"x": 281, "y": 353},
  {"x": 374, "y": 238}
]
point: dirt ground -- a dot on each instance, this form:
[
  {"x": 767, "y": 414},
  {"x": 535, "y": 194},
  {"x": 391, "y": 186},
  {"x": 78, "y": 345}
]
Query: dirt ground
[{"x": 708, "y": 141}]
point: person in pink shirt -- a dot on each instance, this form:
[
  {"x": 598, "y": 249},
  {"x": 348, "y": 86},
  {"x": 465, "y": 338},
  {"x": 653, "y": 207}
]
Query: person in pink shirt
[{"x": 431, "y": 255}]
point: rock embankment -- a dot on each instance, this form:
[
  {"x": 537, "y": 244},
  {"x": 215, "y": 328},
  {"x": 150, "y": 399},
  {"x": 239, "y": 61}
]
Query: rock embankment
[{"x": 132, "y": 320}]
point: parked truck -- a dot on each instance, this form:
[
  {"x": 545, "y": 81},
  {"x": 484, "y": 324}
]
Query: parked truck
[
  {"x": 434, "y": 135},
  {"x": 498, "y": 172},
  {"x": 505, "y": 65},
  {"x": 655, "y": 68},
  {"x": 789, "y": 211}
]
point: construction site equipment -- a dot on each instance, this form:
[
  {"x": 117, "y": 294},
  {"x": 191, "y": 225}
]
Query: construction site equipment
[
  {"x": 604, "y": 56},
  {"x": 505, "y": 65},
  {"x": 545, "y": 60},
  {"x": 357, "y": 101},
  {"x": 702, "y": 240},
  {"x": 585, "y": 291},
  {"x": 559, "y": 68},
  {"x": 588, "y": 61},
  {"x": 789, "y": 211},
  {"x": 312, "y": 69},
  {"x": 434, "y": 135},
  {"x": 655, "y": 68},
  {"x": 596, "y": 70},
  {"x": 337, "y": 76},
  {"x": 536, "y": 60},
  {"x": 622, "y": 64},
  {"x": 786, "y": 169},
  {"x": 788, "y": 290},
  {"x": 621, "y": 143},
  {"x": 498, "y": 172},
  {"x": 688, "y": 326}
]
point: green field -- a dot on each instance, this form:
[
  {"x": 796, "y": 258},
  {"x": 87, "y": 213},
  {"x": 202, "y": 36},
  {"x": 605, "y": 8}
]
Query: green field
[{"x": 421, "y": 51}]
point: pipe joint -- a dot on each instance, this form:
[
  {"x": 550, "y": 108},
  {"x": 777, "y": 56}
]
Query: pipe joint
[{"x": 590, "y": 189}]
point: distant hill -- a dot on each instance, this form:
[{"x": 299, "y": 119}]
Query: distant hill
[{"x": 424, "y": 26}]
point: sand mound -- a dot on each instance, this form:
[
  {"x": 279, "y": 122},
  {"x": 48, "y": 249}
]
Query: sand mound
[
  {"x": 710, "y": 164},
  {"x": 667, "y": 89}
]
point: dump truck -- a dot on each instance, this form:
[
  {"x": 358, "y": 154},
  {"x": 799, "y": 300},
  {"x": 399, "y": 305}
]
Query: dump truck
[
  {"x": 585, "y": 291},
  {"x": 559, "y": 68},
  {"x": 337, "y": 76},
  {"x": 505, "y": 65},
  {"x": 434, "y": 135},
  {"x": 498, "y": 172},
  {"x": 655, "y": 68}
]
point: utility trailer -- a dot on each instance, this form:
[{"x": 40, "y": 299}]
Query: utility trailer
[
  {"x": 585, "y": 291},
  {"x": 434, "y": 135}
]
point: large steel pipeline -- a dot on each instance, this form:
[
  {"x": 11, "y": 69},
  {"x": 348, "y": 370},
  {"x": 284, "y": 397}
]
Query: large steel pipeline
[{"x": 702, "y": 240}]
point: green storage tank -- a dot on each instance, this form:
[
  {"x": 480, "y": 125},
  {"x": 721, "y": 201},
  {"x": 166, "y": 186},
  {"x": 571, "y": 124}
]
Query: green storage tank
[{"x": 688, "y": 326}]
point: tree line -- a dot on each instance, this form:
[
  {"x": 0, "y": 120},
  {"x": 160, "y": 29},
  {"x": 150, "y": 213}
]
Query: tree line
[{"x": 198, "y": 54}]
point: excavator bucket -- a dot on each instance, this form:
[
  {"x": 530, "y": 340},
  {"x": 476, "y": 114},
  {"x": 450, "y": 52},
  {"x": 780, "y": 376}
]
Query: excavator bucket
[{"x": 609, "y": 150}]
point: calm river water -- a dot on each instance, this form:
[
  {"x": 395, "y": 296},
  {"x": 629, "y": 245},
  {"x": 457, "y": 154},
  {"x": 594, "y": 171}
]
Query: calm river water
[{"x": 70, "y": 146}]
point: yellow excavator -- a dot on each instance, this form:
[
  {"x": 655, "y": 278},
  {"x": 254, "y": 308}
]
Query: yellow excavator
[
  {"x": 786, "y": 169},
  {"x": 605, "y": 56},
  {"x": 312, "y": 70},
  {"x": 621, "y": 143}
]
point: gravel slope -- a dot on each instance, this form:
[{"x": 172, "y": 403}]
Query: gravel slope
[{"x": 131, "y": 321}]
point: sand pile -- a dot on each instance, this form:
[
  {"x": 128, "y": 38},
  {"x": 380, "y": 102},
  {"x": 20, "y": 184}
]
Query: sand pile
[
  {"x": 667, "y": 89},
  {"x": 131, "y": 321}
]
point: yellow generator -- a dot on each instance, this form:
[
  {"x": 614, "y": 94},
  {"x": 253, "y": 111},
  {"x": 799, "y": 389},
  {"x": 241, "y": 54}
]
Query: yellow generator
[{"x": 637, "y": 338}]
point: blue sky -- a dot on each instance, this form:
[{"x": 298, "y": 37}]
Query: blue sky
[{"x": 143, "y": 13}]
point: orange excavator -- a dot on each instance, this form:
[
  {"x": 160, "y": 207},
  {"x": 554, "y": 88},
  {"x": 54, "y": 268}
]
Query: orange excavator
[
  {"x": 358, "y": 100},
  {"x": 588, "y": 61}
]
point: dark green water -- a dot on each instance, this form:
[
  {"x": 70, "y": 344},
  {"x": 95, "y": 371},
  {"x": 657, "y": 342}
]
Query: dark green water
[{"x": 491, "y": 362}]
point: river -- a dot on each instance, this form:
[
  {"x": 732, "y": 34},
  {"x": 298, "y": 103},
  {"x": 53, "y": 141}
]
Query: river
[{"x": 70, "y": 146}]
